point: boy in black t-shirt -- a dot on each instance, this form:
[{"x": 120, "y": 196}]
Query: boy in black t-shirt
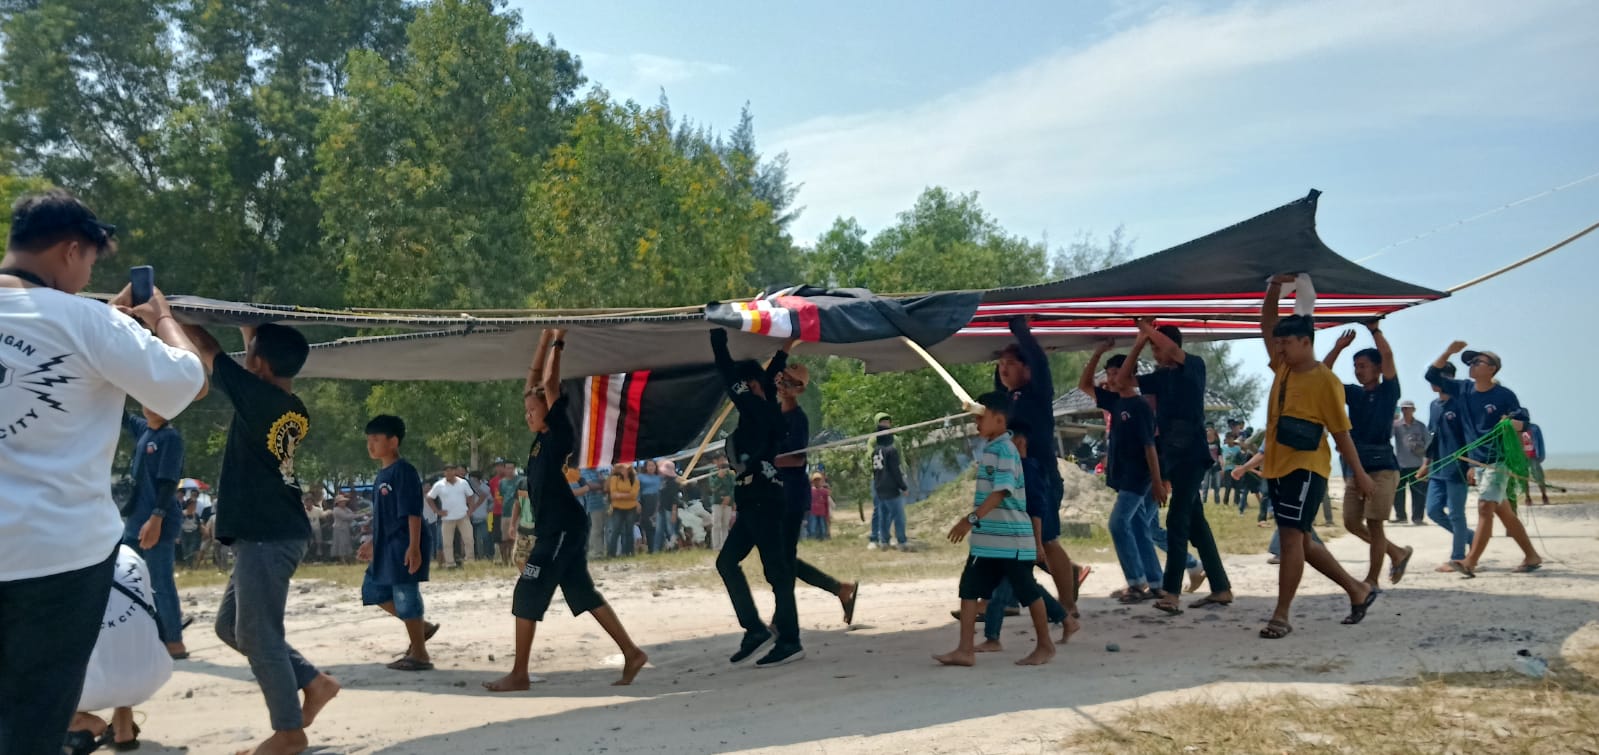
[
  {"x": 560, "y": 530},
  {"x": 758, "y": 495},
  {"x": 398, "y": 551},
  {"x": 259, "y": 513}
]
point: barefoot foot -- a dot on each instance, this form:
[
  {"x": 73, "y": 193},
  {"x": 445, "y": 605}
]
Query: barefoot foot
[
  {"x": 512, "y": 682},
  {"x": 989, "y": 646},
  {"x": 957, "y": 658},
  {"x": 1070, "y": 628},
  {"x": 631, "y": 665},
  {"x": 1040, "y": 656},
  {"x": 318, "y": 693},
  {"x": 281, "y": 743}
]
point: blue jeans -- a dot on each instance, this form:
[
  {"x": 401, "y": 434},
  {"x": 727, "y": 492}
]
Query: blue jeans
[
  {"x": 818, "y": 527},
  {"x": 436, "y": 532},
  {"x": 250, "y": 620},
  {"x": 1446, "y": 505},
  {"x": 1157, "y": 533},
  {"x": 663, "y": 530},
  {"x": 893, "y": 516},
  {"x": 1135, "y": 549},
  {"x": 1276, "y": 546},
  {"x": 1004, "y": 597},
  {"x": 480, "y": 534},
  {"x": 161, "y": 560}
]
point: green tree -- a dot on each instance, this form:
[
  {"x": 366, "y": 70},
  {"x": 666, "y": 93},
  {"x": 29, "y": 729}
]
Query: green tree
[{"x": 623, "y": 215}]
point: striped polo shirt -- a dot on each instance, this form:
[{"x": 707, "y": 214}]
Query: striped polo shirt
[{"x": 1007, "y": 531}]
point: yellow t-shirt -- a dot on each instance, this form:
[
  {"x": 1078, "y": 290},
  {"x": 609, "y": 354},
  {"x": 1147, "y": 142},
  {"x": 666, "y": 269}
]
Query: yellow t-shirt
[
  {"x": 624, "y": 494},
  {"x": 1316, "y": 395}
]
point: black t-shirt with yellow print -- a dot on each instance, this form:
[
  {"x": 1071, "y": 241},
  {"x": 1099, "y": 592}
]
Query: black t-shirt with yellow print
[{"x": 258, "y": 497}]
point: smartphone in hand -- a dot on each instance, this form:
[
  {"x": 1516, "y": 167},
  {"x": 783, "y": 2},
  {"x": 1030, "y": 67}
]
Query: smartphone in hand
[{"x": 142, "y": 280}]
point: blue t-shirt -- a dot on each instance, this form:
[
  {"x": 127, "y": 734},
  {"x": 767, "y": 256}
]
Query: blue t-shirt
[
  {"x": 396, "y": 497},
  {"x": 1179, "y": 413},
  {"x": 596, "y": 499},
  {"x": 157, "y": 456},
  {"x": 649, "y": 484},
  {"x": 1482, "y": 410},
  {"x": 1448, "y": 428}
]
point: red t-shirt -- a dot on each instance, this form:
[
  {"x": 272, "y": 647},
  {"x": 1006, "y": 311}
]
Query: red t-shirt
[
  {"x": 821, "y": 501},
  {"x": 494, "y": 492}
]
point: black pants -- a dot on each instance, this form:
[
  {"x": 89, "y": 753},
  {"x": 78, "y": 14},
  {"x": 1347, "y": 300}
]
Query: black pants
[
  {"x": 759, "y": 526},
  {"x": 48, "y": 627},
  {"x": 1185, "y": 522},
  {"x": 1418, "y": 498},
  {"x": 622, "y": 521}
]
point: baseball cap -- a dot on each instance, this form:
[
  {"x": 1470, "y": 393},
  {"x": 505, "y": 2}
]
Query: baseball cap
[
  {"x": 1467, "y": 357},
  {"x": 880, "y": 416},
  {"x": 1407, "y": 404}
]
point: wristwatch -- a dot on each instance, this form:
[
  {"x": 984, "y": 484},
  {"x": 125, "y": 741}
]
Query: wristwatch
[{"x": 973, "y": 520}]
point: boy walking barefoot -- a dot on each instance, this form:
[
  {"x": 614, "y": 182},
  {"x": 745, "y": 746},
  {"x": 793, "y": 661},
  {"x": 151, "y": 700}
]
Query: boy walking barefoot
[
  {"x": 397, "y": 554},
  {"x": 260, "y": 515},
  {"x": 1004, "y": 544},
  {"x": 561, "y": 524}
]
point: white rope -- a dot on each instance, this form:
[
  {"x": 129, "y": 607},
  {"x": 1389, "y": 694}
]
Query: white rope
[
  {"x": 847, "y": 441},
  {"x": 1478, "y": 216}
]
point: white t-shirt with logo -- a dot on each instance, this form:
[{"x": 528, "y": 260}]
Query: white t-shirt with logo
[
  {"x": 451, "y": 497},
  {"x": 67, "y": 364},
  {"x": 129, "y": 663}
]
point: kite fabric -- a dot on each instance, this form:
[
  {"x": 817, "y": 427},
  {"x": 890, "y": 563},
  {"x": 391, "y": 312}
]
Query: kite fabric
[
  {"x": 1210, "y": 287},
  {"x": 628, "y": 416}
]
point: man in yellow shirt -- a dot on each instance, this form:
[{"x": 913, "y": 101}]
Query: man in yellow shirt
[{"x": 1305, "y": 404}]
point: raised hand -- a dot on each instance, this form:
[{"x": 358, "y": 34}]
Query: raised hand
[
  {"x": 1457, "y": 347},
  {"x": 1283, "y": 279},
  {"x": 1345, "y": 338}
]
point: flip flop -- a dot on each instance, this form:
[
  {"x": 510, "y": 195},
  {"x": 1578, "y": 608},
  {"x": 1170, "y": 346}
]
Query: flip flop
[
  {"x": 1528, "y": 568},
  {"x": 1466, "y": 572},
  {"x": 432, "y": 629},
  {"x": 1082, "y": 574},
  {"x": 849, "y": 605},
  {"x": 1131, "y": 596},
  {"x": 109, "y": 739},
  {"x": 80, "y": 742},
  {"x": 410, "y": 664},
  {"x": 1209, "y": 601},
  {"x": 1357, "y": 613},
  {"x": 1176, "y": 610},
  {"x": 1397, "y": 571},
  {"x": 1194, "y": 585},
  {"x": 1276, "y": 629}
]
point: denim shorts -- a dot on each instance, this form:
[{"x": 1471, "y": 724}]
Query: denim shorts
[{"x": 406, "y": 597}]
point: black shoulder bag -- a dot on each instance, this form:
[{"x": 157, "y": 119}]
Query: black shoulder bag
[{"x": 1295, "y": 432}]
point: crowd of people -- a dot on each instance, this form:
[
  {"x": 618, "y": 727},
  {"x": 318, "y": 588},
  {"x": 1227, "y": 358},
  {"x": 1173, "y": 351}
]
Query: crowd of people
[{"x": 84, "y": 648}]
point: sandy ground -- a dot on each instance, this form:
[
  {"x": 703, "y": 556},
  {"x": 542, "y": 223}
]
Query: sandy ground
[{"x": 873, "y": 688}]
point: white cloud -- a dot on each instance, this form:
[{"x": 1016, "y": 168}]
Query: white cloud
[
  {"x": 641, "y": 76},
  {"x": 1179, "y": 97}
]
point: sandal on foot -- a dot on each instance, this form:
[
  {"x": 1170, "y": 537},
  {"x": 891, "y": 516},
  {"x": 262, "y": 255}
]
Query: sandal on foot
[
  {"x": 1135, "y": 595},
  {"x": 1357, "y": 612},
  {"x": 1169, "y": 609},
  {"x": 1209, "y": 600},
  {"x": 1397, "y": 571},
  {"x": 1466, "y": 572},
  {"x": 80, "y": 742},
  {"x": 410, "y": 664},
  {"x": 432, "y": 629},
  {"x": 1082, "y": 574},
  {"x": 849, "y": 605},
  {"x": 1276, "y": 629},
  {"x": 1528, "y": 568}
]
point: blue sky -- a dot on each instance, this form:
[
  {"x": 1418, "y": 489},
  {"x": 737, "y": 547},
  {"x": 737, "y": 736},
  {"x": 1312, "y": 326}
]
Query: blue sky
[{"x": 1175, "y": 119}]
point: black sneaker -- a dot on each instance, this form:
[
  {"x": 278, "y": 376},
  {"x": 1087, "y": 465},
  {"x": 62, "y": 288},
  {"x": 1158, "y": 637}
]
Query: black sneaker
[
  {"x": 782, "y": 655},
  {"x": 751, "y": 645}
]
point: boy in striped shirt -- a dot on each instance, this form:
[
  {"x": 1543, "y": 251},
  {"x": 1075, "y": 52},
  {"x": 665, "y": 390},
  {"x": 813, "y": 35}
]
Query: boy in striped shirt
[{"x": 1004, "y": 545}]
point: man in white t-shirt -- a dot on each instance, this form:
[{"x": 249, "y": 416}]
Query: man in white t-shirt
[
  {"x": 67, "y": 365},
  {"x": 453, "y": 500}
]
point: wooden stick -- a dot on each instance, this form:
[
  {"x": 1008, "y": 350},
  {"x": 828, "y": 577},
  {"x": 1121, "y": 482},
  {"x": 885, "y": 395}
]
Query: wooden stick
[
  {"x": 727, "y": 408},
  {"x": 967, "y": 403}
]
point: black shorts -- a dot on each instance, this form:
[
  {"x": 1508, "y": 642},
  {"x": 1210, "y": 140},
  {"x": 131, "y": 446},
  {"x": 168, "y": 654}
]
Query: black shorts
[
  {"x": 1296, "y": 498},
  {"x": 559, "y": 560},
  {"x": 982, "y": 575}
]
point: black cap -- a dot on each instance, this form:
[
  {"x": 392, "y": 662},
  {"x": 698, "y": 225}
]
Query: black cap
[{"x": 995, "y": 401}]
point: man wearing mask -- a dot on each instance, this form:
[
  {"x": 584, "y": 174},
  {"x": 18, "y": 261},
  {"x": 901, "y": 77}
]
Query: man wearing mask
[{"x": 888, "y": 489}]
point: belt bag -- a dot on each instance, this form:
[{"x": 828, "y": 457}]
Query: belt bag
[
  {"x": 1372, "y": 457},
  {"x": 1295, "y": 432}
]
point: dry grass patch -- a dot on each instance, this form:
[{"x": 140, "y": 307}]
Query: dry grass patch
[{"x": 1498, "y": 712}]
